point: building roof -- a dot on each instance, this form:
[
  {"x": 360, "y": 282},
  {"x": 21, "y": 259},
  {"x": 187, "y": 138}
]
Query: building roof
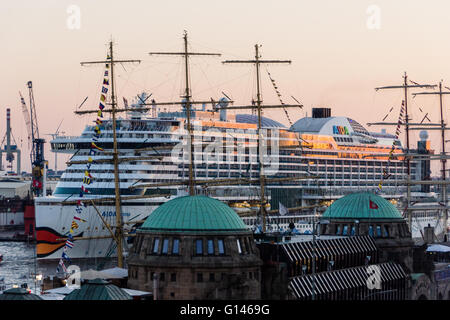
[
  {"x": 438, "y": 248},
  {"x": 343, "y": 279},
  {"x": 326, "y": 126},
  {"x": 302, "y": 251},
  {"x": 92, "y": 274},
  {"x": 194, "y": 213},
  {"x": 265, "y": 122},
  {"x": 364, "y": 205},
  {"x": 98, "y": 289},
  {"x": 18, "y": 294},
  {"x": 116, "y": 272}
]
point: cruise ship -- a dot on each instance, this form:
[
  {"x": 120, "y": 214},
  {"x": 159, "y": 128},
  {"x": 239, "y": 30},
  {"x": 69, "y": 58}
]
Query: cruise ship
[{"x": 330, "y": 155}]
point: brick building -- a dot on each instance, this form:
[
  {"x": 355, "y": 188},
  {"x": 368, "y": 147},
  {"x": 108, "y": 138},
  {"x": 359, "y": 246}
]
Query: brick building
[
  {"x": 195, "y": 247},
  {"x": 360, "y": 235}
]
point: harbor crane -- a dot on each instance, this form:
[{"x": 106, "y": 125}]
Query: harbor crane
[
  {"x": 8, "y": 148},
  {"x": 37, "y": 144}
]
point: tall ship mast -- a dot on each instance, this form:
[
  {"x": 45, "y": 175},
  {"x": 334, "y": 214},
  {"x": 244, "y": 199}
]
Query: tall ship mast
[{"x": 423, "y": 207}]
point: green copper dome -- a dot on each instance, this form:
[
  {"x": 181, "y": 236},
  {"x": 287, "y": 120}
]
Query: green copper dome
[
  {"x": 362, "y": 206},
  {"x": 194, "y": 213}
]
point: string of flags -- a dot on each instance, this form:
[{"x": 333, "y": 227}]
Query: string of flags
[
  {"x": 282, "y": 103},
  {"x": 386, "y": 174},
  {"x": 88, "y": 178},
  {"x": 279, "y": 96}
]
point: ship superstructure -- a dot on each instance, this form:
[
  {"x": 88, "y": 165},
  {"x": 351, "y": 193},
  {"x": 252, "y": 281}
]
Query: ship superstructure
[{"x": 339, "y": 150}]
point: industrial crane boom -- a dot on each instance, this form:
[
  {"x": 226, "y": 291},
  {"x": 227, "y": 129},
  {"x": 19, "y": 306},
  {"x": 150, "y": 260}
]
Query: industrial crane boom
[{"x": 26, "y": 116}]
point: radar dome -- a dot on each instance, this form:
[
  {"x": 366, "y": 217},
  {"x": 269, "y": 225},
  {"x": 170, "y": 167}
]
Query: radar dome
[{"x": 423, "y": 135}]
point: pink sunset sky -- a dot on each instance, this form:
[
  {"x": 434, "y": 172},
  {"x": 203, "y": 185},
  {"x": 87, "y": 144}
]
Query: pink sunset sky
[{"x": 340, "y": 51}]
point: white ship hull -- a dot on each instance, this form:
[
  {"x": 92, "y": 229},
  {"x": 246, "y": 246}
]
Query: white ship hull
[{"x": 53, "y": 222}]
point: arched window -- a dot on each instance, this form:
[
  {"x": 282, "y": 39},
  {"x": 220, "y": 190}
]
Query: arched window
[
  {"x": 176, "y": 246},
  {"x": 238, "y": 241},
  {"x": 386, "y": 231},
  {"x": 210, "y": 246},
  {"x": 345, "y": 230},
  {"x": 221, "y": 246},
  {"x": 165, "y": 246},
  {"x": 379, "y": 231},
  {"x": 371, "y": 230},
  {"x": 199, "y": 246},
  {"x": 155, "y": 246}
]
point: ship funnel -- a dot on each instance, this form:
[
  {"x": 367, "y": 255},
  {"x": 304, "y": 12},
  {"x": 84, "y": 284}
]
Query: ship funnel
[{"x": 321, "y": 112}]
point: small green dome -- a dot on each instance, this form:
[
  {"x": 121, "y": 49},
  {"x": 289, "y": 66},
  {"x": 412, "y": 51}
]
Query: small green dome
[
  {"x": 98, "y": 289},
  {"x": 18, "y": 294},
  {"x": 362, "y": 206},
  {"x": 194, "y": 213}
]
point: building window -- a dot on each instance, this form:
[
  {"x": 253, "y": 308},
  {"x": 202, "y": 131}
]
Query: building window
[
  {"x": 247, "y": 250},
  {"x": 176, "y": 246},
  {"x": 162, "y": 276},
  {"x": 400, "y": 231},
  {"x": 338, "y": 229},
  {"x": 137, "y": 248},
  {"x": 221, "y": 246},
  {"x": 386, "y": 231},
  {"x": 352, "y": 233},
  {"x": 173, "y": 277},
  {"x": 371, "y": 231},
  {"x": 210, "y": 246},
  {"x": 156, "y": 246},
  {"x": 344, "y": 232},
  {"x": 165, "y": 246},
  {"x": 378, "y": 231},
  {"x": 152, "y": 275},
  {"x": 238, "y": 241},
  {"x": 199, "y": 277},
  {"x": 212, "y": 278},
  {"x": 199, "y": 247}
]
